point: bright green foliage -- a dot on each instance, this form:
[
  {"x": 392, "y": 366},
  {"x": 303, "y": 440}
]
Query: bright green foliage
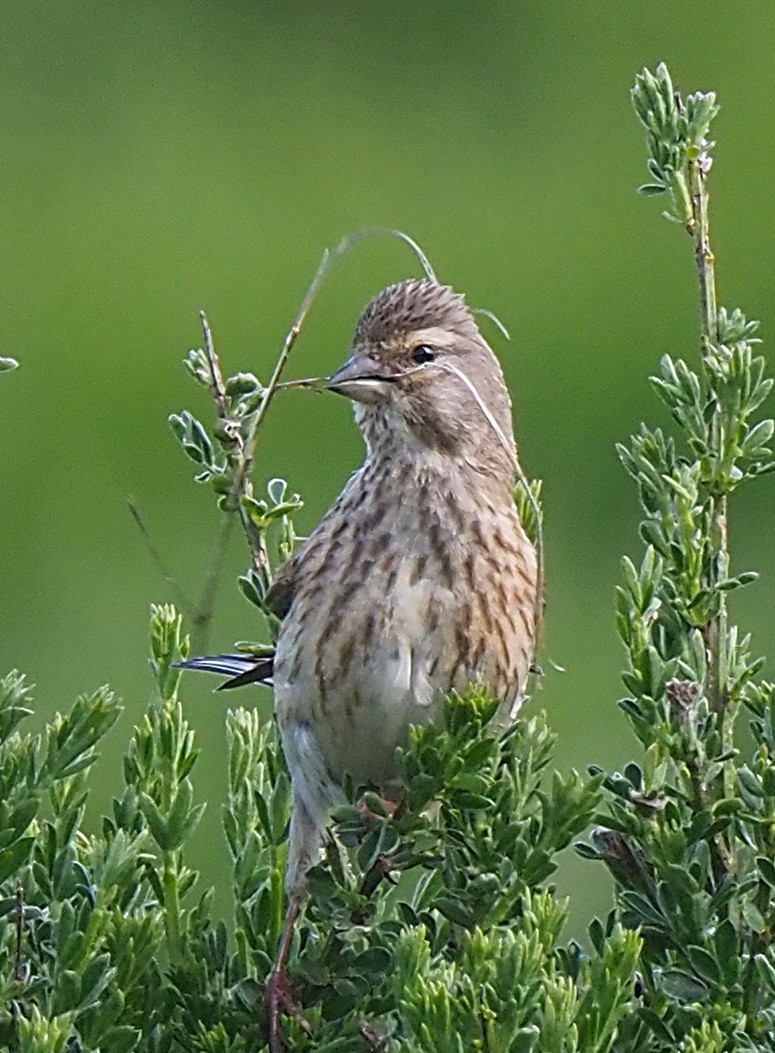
[
  {"x": 482, "y": 832},
  {"x": 431, "y": 926},
  {"x": 676, "y": 134},
  {"x": 410, "y": 905},
  {"x": 224, "y": 459},
  {"x": 687, "y": 834}
]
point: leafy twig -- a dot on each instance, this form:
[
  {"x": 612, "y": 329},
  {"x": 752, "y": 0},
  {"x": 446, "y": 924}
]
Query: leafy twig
[{"x": 242, "y": 404}]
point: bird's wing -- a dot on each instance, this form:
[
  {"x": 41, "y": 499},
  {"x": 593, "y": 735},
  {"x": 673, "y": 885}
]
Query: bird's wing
[
  {"x": 283, "y": 590},
  {"x": 240, "y": 668},
  {"x": 249, "y": 668},
  {"x": 280, "y": 595}
]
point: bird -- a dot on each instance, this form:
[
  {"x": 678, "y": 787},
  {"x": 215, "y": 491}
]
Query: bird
[{"x": 419, "y": 581}]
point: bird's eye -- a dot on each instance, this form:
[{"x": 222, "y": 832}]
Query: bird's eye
[{"x": 422, "y": 353}]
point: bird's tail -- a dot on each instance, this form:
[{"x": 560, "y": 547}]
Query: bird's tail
[{"x": 239, "y": 668}]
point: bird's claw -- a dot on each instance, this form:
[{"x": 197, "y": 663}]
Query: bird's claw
[
  {"x": 390, "y": 809},
  {"x": 279, "y": 1002}
]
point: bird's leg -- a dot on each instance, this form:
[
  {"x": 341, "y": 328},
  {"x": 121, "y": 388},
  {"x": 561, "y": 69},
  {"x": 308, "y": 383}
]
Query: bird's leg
[
  {"x": 303, "y": 851},
  {"x": 279, "y": 996}
]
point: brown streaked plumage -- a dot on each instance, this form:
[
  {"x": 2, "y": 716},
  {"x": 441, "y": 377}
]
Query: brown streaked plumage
[
  {"x": 420, "y": 579},
  {"x": 442, "y": 565}
]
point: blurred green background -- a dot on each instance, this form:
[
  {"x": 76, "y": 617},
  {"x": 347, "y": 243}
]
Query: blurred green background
[{"x": 159, "y": 158}]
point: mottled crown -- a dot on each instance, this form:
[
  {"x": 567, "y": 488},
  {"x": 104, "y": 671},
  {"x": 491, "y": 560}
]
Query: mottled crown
[{"x": 418, "y": 303}]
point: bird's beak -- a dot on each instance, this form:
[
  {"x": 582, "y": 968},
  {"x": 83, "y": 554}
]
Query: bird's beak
[{"x": 359, "y": 379}]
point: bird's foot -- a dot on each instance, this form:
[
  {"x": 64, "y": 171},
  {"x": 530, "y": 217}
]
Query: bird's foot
[
  {"x": 280, "y": 1002},
  {"x": 387, "y": 809}
]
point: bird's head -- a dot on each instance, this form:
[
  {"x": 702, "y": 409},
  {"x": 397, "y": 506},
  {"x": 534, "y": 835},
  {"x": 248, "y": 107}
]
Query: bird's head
[{"x": 421, "y": 375}]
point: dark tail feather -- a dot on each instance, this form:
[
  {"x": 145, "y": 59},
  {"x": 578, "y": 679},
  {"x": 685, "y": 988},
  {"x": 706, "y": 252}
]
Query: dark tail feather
[{"x": 240, "y": 668}]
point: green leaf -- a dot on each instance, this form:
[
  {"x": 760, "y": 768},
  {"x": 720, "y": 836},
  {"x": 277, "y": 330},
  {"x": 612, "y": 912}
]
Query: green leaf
[
  {"x": 682, "y": 986},
  {"x": 14, "y": 857},
  {"x": 767, "y": 870},
  {"x": 753, "y": 916},
  {"x": 766, "y": 971}
]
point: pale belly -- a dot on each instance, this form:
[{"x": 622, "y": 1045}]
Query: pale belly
[{"x": 380, "y": 648}]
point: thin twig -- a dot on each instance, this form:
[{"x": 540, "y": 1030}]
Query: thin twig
[
  {"x": 181, "y": 599},
  {"x": 699, "y": 228},
  {"x": 217, "y": 386},
  {"x": 351, "y": 240},
  {"x": 247, "y": 453},
  {"x": 19, "y": 969},
  {"x": 487, "y": 313},
  {"x": 205, "y": 608},
  {"x": 202, "y": 616},
  {"x": 313, "y": 383},
  {"x": 290, "y": 339},
  {"x": 199, "y": 613},
  {"x": 329, "y": 258},
  {"x": 716, "y": 630},
  {"x": 242, "y": 454}
]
